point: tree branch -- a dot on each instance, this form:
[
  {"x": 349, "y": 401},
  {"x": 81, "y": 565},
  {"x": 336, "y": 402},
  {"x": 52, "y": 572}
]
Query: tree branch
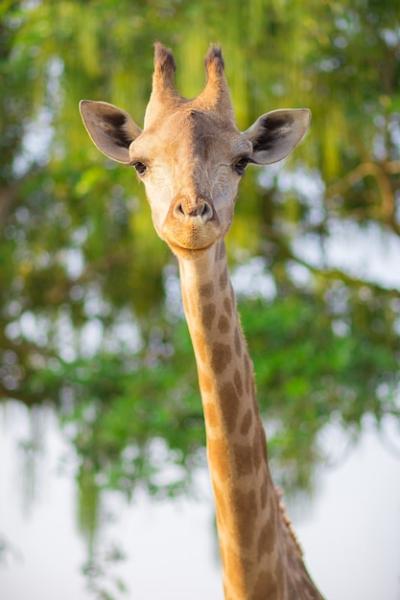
[
  {"x": 328, "y": 273},
  {"x": 381, "y": 172}
]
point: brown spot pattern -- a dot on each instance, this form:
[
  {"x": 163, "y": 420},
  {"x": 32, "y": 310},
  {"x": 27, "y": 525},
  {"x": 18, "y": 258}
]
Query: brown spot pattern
[
  {"x": 259, "y": 447},
  {"x": 245, "y": 502},
  {"x": 246, "y": 506},
  {"x": 238, "y": 344},
  {"x": 228, "y": 306},
  {"x": 223, "y": 324},
  {"x": 238, "y": 382},
  {"x": 221, "y": 357},
  {"x": 208, "y": 314},
  {"x": 246, "y": 422},
  {"x": 266, "y": 540},
  {"x": 229, "y": 405},
  {"x": 266, "y": 587},
  {"x": 243, "y": 459},
  {"x": 207, "y": 290}
]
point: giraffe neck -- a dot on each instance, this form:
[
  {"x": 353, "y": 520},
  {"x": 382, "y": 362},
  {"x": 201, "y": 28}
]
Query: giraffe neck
[{"x": 259, "y": 556}]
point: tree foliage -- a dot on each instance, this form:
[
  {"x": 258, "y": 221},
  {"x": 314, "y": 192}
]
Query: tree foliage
[{"x": 90, "y": 319}]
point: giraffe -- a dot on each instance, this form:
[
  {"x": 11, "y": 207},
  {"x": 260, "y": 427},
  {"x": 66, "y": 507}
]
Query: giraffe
[{"x": 191, "y": 156}]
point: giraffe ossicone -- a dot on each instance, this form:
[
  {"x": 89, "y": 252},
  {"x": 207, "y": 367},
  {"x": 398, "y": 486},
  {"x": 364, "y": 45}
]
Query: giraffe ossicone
[{"x": 190, "y": 156}]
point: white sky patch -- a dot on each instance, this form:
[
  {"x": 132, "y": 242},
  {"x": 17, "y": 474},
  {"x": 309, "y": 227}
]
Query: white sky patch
[
  {"x": 73, "y": 260},
  {"x": 251, "y": 280},
  {"x": 366, "y": 253},
  {"x": 173, "y": 297},
  {"x": 91, "y": 336},
  {"x": 36, "y": 143},
  {"x": 304, "y": 182},
  {"x": 124, "y": 335}
]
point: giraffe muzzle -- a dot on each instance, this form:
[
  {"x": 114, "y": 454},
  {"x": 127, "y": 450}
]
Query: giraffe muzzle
[{"x": 192, "y": 223}]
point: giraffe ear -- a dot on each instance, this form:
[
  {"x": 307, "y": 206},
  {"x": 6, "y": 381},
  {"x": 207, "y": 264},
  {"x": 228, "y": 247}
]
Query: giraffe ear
[
  {"x": 111, "y": 129},
  {"x": 276, "y": 133}
]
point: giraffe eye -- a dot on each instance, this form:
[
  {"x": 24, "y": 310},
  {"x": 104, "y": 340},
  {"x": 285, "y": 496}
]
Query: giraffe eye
[
  {"x": 240, "y": 165},
  {"x": 139, "y": 167}
]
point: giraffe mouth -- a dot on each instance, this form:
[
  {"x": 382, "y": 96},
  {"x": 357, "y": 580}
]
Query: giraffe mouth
[
  {"x": 192, "y": 251},
  {"x": 193, "y": 238},
  {"x": 189, "y": 252}
]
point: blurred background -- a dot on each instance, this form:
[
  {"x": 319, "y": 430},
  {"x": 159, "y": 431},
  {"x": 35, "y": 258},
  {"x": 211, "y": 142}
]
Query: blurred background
[{"x": 104, "y": 489}]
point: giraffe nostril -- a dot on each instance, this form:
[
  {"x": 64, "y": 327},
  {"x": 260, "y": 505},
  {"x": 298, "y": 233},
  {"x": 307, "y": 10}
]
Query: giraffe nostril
[
  {"x": 179, "y": 211},
  {"x": 206, "y": 210}
]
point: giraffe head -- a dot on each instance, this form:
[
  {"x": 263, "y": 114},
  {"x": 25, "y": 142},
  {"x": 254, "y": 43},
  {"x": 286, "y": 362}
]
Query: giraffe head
[{"x": 190, "y": 155}]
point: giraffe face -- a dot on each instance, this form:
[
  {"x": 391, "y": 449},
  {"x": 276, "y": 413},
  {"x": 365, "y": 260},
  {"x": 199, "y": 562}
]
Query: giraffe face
[
  {"x": 191, "y": 162},
  {"x": 190, "y": 155}
]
